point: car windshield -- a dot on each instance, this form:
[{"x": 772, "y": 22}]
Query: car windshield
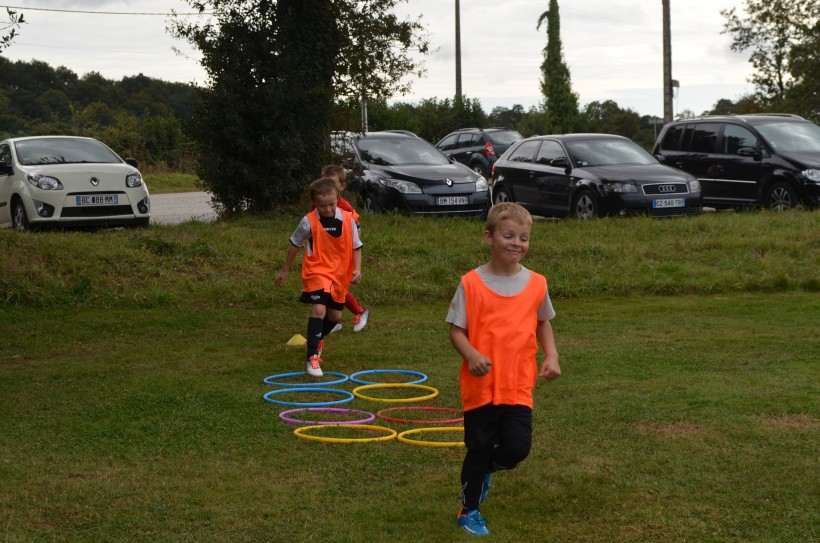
[
  {"x": 400, "y": 152},
  {"x": 792, "y": 137},
  {"x": 63, "y": 151},
  {"x": 607, "y": 152},
  {"x": 505, "y": 137}
]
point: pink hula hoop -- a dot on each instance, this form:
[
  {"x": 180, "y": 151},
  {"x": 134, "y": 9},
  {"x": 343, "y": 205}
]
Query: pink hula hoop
[{"x": 368, "y": 418}]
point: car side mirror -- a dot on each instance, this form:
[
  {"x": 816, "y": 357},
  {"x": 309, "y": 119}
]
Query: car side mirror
[
  {"x": 747, "y": 151},
  {"x": 6, "y": 169},
  {"x": 660, "y": 158},
  {"x": 131, "y": 161},
  {"x": 559, "y": 162}
]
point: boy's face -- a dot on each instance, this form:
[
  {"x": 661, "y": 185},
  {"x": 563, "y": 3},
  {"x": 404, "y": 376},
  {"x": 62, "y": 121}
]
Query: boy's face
[
  {"x": 326, "y": 204},
  {"x": 510, "y": 241},
  {"x": 339, "y": 182}
]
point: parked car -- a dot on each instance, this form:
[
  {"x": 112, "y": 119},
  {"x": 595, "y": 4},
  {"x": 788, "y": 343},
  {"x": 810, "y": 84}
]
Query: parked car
[
  {"x": 392, "y": 171},
  {"x": 478, "y": 148},
  {"x": 589, "y": 175},
  {"x": 62, "y": 181},
  {"x": 769, "y": 160}
]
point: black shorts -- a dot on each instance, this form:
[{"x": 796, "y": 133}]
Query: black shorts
[
  {"x": 322, "y": 298},
  {"x": 488, "y": 425}
]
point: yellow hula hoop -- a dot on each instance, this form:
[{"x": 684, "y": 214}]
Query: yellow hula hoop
[
  {"x": 299, "y": 432},
  {"x": 358, "y": 394},
  {"x": 404, "y": 439}
]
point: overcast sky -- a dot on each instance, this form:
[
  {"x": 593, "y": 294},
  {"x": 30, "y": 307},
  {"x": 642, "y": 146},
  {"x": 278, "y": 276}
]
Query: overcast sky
[{"x": 613, "y": 48}]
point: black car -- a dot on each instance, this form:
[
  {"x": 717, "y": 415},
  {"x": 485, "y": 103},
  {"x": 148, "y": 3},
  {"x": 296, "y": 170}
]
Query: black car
[
  {"x": 478, "y": 148},
  {"x": 590, "y": 175},
  {"x": 394, "y": 171},
  {"x": 769, "y": 160}
]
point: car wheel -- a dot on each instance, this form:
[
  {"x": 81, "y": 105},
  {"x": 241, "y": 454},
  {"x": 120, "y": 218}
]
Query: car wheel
[
  {"x": 479, "y": 168},
  {"x": 370, "y": 204},
  {"x": 781, "y": 197},
  {"x": 501, "y": 195},
  {"x": 584, "y": 206},
  {"x": 19, "y": 219}
]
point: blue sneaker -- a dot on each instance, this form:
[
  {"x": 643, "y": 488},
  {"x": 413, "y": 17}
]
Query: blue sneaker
[
  {"x": 486, "y": 488},
  {"x": 472, "y": 522}
]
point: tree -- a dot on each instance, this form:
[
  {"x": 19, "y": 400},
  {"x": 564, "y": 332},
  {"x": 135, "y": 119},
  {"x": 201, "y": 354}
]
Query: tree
[
  {"x": 772, "y": 29},
  {"x": 560, "y": 101},
  {"x": 275, "y": 69},
  {"x": 9, "y": 29}
]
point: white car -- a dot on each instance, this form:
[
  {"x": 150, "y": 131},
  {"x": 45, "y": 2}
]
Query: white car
[{"x": 63, "y": 181}]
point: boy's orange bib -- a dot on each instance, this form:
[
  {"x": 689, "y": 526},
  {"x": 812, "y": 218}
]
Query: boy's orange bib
[
  {"x": 502, "y": 328},
  {"x": 330, "y": 267}
]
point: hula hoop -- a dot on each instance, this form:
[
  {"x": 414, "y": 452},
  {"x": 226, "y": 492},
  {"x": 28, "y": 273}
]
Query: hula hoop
[
  {"x": 272, "y": 380},
  {"x": 348, "y": 396},
  {"x": 417, "y": 408},
  {"x": 368, "y": 418},
  {"x": 358, "y": 394},
  {"x": 300, "y": 432},
  {"x": 355, "y": 376},
  {"x": 404, "y": 439}
]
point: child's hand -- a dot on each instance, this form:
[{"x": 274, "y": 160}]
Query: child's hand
[
  {"x": 550, "y": 370},
  {"x": 280, "y": 279},
  {"x": 479, "y": 365},
  {"x": 357, "y": 277}
]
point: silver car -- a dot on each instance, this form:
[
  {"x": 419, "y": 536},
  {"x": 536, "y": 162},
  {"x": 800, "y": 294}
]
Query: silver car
[{"x": 64, "y": 181}]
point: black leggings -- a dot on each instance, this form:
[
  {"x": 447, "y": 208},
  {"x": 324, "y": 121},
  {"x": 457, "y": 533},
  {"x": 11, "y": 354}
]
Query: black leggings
[{"x": 497, "y": 437}]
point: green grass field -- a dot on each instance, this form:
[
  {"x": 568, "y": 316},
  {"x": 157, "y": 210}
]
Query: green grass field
[{"x": 132, "y": 366}]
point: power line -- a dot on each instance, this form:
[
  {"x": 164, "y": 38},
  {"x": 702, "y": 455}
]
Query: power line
[{"x": 83, "y": 12}]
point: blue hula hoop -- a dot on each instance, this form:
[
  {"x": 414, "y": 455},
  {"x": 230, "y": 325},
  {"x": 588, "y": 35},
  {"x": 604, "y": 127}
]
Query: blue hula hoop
[
  {"x": 355, "y": 377},
  {"x": 348, "y": 396},
  {"x": 272, "y": 380}
]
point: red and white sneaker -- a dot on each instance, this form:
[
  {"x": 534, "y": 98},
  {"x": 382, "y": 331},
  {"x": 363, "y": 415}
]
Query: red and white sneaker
[
  {"x": 313, "y": 366},
  {"x": 360, "y": 320}
]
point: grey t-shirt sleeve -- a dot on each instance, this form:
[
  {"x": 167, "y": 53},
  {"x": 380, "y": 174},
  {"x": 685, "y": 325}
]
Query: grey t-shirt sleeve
[
  {"x": 457, "y": 313},
  {"x": 302, "y": 232}
]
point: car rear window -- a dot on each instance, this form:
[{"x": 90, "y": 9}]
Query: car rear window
[{"x": 504, "y": 137}]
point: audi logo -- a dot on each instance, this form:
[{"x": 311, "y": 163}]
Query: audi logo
[{"x": 667, "y": 188}]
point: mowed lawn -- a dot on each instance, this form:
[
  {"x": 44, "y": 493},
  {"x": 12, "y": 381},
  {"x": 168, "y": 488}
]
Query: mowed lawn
[{"x": 692, "y": 416}]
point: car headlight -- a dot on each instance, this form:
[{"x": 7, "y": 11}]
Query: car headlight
[
  {"x": 694, "y": 186},
  {"x": 133, "y": 179},
  {"x": 812, "y": 174},
  {"x": 405, "y": 187},
  {"x": 620, "y": 187},
  {"x": 44, "y": 182},
  {"x": 481, "y": 184}
]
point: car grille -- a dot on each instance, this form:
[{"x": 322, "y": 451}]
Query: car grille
[
  {"x": 666, "y": 188},
  {"x": 96, "y": 211},
  {"x": 474, "y": 211}
]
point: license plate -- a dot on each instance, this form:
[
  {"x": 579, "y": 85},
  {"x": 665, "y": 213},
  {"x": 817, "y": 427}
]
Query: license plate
[
  {"x": 452, "y": 200},
  {"x": 98, "y": 200},
  {"x": 669, "y": 202}
]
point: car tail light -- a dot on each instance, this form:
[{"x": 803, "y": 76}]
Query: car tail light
[{"x": 488, "y": 149}]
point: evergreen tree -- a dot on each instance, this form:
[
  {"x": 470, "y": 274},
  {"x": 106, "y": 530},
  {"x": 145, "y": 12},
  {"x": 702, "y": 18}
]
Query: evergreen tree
[{"x": 560, "y": 102}]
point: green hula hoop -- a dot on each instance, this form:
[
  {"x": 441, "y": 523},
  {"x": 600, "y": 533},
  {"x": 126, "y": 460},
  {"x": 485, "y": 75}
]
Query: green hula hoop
[
  {"x": 404, "y": 439},
  {"x": 300, "y": 432},
  {"x": 358, "y": 394}
]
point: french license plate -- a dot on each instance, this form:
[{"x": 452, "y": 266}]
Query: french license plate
[
  {"x": 97, "y": 200},
  {"x": 452, "y": 200},
  {"x": 668, "y": 202}
]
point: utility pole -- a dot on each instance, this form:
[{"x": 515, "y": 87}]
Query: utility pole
[
  {"x": 458, "y": 52},
  {"x": 667, "y": 64}
]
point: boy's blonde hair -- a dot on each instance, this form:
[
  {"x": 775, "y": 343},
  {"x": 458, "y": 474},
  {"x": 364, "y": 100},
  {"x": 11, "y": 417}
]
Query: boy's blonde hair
[
  {"x": 322, "y": 186},
  {"x": 507, "y": 211},
  {"x": 334, "y": 170}
]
